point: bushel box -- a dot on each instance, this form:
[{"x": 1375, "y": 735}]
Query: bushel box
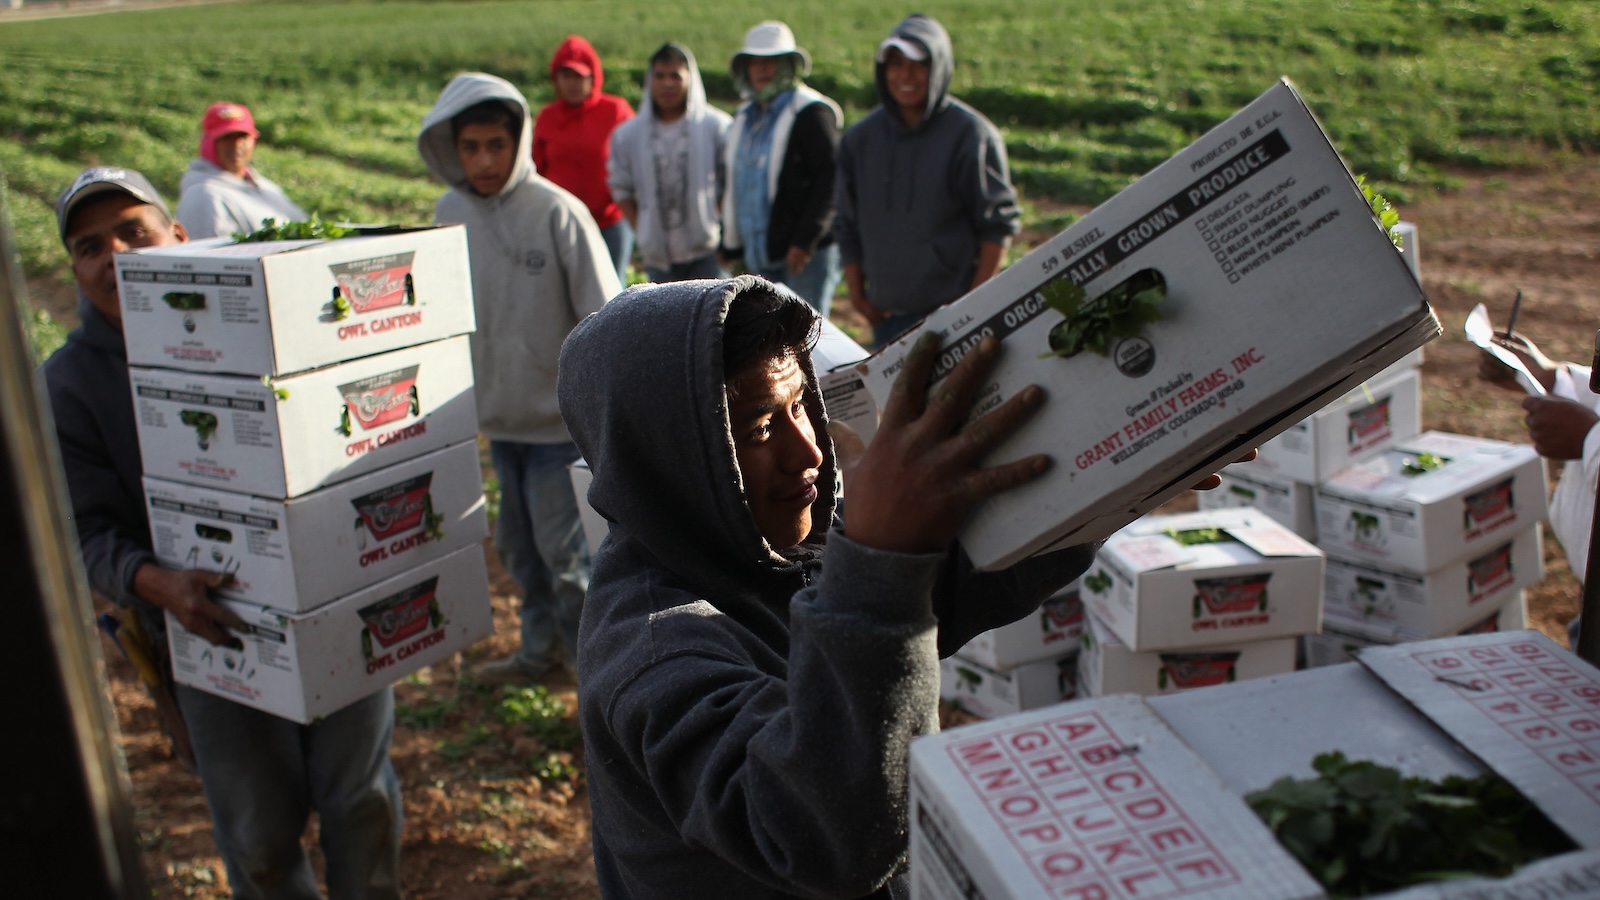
[
  {"x": 303, "y": 666},
  {"x": 276, "y": 307},
  {"x": 1123, "y": 798},
  {"x": 296, "y": 555},
  {"x": 1224, "y": 296},
  {"x": 304, "y": 431}
]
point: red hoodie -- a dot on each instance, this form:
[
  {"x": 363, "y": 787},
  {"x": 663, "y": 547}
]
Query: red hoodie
[{"x": 572, "y": 144}]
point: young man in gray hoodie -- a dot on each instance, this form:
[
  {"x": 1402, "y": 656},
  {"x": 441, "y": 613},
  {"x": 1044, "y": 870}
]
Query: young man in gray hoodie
[
  {"x": 539, "y": 266},
  {"x": 666, "y": 170},
  {"x": 752, "y": 669},
  {"x": 925, "y": 203}
]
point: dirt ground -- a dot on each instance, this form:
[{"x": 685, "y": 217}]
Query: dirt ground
[{"x": 481, "y": 824}]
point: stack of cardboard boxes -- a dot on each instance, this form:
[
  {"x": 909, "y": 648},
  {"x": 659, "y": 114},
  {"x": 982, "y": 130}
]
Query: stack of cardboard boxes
[
  {"x": 1427, "y": 534},
  {"x": 306, "y": 420}
]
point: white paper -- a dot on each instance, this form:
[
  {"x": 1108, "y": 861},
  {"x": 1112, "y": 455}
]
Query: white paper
[{"x": 1480, "y": 332}]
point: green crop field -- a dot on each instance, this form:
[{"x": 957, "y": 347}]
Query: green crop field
[{"x": 1090, "y": 95}]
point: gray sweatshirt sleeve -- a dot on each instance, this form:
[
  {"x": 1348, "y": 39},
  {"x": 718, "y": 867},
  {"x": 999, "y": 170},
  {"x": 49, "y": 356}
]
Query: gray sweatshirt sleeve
[
  {"x": 801, "y": 781},
  {"x": 591, "y": 279},
  {"x": 992, "y": 204},
  {"x": 845, "y": 232}
]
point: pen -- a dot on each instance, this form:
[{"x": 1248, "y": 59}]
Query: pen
[{"x": 1515, "y": 306}]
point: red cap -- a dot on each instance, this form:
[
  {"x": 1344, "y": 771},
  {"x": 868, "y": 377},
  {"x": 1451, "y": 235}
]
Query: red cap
[{"x": 226, "y": 118}]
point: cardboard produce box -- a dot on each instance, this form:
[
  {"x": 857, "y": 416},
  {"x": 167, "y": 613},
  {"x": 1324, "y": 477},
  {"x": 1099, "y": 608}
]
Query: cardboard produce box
[
  {"x": 991, "y": 692},
  {"x": 1107, "y": 666},
  {"x": 1340, "y": 641},
  {"x": 1254, "y": 579},
  {"x": 852, "y": 413},
  {"x": 299, "y": 554},
  {"x": 1121, "y": 797},
  {"x": 327, "y": 425},
  {"x": 276, "y": 307},
  {"x": 1048, "y": 633},
  {"x": 1281, "y": 294},
  {"x": 1378, "y": 414},
  {"x": 1406, "y": 607},
  {"x": 1288, "y": 502},
  {"x": 1398, "y": 510},
  {"x": 303, "y": 666}
]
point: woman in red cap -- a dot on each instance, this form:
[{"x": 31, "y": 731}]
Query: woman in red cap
[
  {"x": 572, "y": 141},
  {"x": 221, "y": 193}
]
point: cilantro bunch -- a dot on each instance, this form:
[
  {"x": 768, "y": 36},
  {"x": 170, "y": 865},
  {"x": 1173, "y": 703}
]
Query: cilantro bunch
[
  {"x": 1421, "y": 464},
  {"x": 1388, "y": 216},
  {"x": 311, "y": 229},
  {"x": 1097, "y": 324},
  {"x": 1192, "y": 536},
  {"x": 1360, "y": 828}
]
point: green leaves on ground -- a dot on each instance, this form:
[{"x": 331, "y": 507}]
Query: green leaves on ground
[
  {"x": 1360, "y": 828},
  {"x": 1097, "y": 324},
  {"x": 539, "y": 713}
]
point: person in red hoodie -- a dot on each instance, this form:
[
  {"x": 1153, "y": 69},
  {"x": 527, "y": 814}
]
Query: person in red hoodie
[{"x": 572, "y": 141}]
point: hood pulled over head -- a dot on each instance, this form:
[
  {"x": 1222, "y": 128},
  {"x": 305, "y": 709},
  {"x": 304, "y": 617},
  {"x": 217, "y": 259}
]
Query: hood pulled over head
[
  {"x": 437, "y": 140},
  {"x": 641, "y": 390},
  {"x": 927, "y": 32},
  {"x": 579, "y": 55},
  {"x": 694, "y": 102}
]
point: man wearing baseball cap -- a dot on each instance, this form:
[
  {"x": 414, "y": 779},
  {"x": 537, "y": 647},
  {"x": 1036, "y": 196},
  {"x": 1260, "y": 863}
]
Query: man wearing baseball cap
[
  {"x": 222, "y": 194},
  {"x": 925, "y": 203},
  {"x": 261, "y": 774}
]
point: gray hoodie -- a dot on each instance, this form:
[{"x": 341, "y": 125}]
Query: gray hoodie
[
  {"x": 538, "y": 266},
  {"x": 631, "y": 173},
  {"x": 217, "y": 203},
  {"x": 746, "y": 714},
  {"x": 915, "y": 203}
]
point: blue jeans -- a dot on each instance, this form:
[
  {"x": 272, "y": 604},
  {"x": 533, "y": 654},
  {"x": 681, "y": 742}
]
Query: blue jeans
[
  {"x": 894, "y": 326},
  {"x": 705, "y": 267},
  {"x": 263, "y": 775},
  {"x": 619, "y": 240},
  {"x": 816, "y": 282},
  {"x": 540, "y": 540}
]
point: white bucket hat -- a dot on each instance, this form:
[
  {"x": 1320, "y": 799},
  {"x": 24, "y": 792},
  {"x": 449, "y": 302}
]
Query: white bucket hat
[{"x": 771, "y": 38}]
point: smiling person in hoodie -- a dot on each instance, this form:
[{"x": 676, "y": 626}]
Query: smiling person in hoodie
[
  {"x": 222, "y": 193},
  {"x": 925, "y": 203},
  {"x": 538, "y": 267},
  {"x": 572, "y": 141}
]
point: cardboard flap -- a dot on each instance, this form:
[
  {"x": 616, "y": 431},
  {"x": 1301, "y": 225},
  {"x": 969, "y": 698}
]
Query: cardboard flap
[{"x": 1528, "y": 708}]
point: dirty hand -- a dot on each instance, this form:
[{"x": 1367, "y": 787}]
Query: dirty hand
[
  {"x": 1214, "y": 480},
  {"x": 920, "y": 476},
  {"x": 186, "y": 593},
  {"x": 795, "y": 260},
  {"x": 1557, "y": 426}
]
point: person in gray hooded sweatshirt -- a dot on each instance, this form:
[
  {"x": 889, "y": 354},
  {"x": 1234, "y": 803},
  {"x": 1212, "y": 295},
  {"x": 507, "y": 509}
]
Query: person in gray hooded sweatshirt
[
  {"x": 538, "y": 266},
  {"x": 666, "y": 170},
  {"x": 752, "y": 670},
  {"x": 925, "y": 203}
]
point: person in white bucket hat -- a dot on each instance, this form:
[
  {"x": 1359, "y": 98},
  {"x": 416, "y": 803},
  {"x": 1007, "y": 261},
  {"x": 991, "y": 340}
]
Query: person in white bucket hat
[{"x": 777, "y": 213}]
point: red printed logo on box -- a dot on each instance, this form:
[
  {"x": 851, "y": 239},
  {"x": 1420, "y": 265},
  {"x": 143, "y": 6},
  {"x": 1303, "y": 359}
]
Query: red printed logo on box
[
  {"x": 1489, "y": 573},
  {"x": 1191, "y": 670},
  {"x": 1489, "y": 508},
  {"x": 1063, "y": 615},
  {"x": 382, "y": 399},
  {"x": 1234, "y": 594},
  {"x": 396, "y": 508},
  {"x": 401, "y": 616},
  {"x": 1368, "y": 426},
  {"x": 376, "y": 283}
]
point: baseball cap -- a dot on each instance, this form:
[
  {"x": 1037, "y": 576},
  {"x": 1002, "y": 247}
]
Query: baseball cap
[
  {"x": 97, "y": 180},
  {"x": 576, "y": 65},
  {"x": 226, "y": 118},
  {"x": 913, "y": 50}
]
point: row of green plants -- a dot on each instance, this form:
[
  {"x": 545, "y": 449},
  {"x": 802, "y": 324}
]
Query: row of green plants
[{"x": 1089, "y": 96}]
